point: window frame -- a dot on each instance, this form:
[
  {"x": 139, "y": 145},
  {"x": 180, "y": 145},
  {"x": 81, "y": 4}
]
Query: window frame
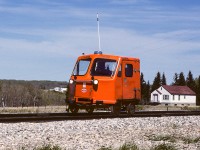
[{"x": 119, "y": 72}]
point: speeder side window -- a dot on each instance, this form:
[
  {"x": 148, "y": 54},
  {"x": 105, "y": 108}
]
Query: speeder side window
[
  {"x": 81, "y": 67},
  {"x": 129, "y": 70},
  {"x": 103, "y": 67}
]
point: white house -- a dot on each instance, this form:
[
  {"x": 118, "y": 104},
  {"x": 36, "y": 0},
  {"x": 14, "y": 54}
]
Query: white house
[
  {"x": 174, "y": 95},
  {"x": 59, "y": 89}
]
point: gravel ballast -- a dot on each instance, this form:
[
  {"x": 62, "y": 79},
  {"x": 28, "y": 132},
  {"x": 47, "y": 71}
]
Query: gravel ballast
[{"x": 182, "y": 132}]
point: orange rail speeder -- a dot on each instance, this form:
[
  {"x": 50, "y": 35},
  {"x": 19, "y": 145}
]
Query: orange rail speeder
[{"x": 104, "y": 81}]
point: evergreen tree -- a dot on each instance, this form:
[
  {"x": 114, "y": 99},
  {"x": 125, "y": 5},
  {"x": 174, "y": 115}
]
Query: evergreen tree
[
  {"x": 198, "y": 91},
  {"x": 0, "y": 92},
  {"x": 190, "y": 81},
  {"x": 142, "y": 78},
  {"x": 175, "y": 79},
  {"x": 142, "y": 83},
  {"x": 164, "y": 82},
  {"x": 147, "y": 93},
  {"x": 145, "y": 90},
  {"x": 156, "y": 82},
  {"x": 0, "y": 87},
  {"x": 181, "y": 80},
  {"x": 198, "y": 84}
]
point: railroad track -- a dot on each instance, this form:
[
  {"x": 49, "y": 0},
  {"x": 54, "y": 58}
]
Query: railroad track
[{"x": 42, "y": 117}]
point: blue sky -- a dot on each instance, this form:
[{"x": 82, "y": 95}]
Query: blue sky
[{"x": 41, "y": 39}]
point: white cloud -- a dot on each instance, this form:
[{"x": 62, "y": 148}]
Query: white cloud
[
  {"x": 112, "y": 39},
  {"x": 157, "y": 52}
]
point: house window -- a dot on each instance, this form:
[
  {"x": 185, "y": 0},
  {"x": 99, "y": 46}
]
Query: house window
[
  {"x": 165, "y": 97},
  {"x": 173, "y": 97},
  {"x": 184, "y": 96},
  {"x": 179, "y": 97}
]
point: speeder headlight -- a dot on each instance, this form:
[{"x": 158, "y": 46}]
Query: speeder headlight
[
  {"x": 71, "y": 81},
  {"x": 95, "y": 82}
]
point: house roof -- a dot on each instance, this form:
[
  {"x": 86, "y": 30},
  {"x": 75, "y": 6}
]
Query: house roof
[{"x": 179, "y": 90}]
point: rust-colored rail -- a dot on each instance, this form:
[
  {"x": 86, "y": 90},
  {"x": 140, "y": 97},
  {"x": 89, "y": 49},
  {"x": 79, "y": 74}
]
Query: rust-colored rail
[{"x": 41, "y": 117}]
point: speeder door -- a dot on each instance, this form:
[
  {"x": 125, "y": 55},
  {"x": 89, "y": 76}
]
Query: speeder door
[{"x": 127, "y": 80}]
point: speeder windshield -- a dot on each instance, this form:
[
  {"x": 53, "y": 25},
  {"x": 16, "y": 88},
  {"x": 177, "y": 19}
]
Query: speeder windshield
[
  {"x": 103, "y": 67},
  {"x": 81, "y": 67}
]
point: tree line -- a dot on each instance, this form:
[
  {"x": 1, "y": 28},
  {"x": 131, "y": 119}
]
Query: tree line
[
  {"x": 15, "y": 93},
  {"x": 178, "y": 79}
]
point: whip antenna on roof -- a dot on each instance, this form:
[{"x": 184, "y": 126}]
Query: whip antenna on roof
[{"x": 98, "y": 34}]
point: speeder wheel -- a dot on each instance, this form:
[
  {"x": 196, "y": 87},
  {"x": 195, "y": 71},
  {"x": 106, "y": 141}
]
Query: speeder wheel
[
  {"x": 74, "y": 109},
  {"x": 131, "y": 109},
  {"x": 115, "y": 109},
  {"x": 90, "y": 110}
]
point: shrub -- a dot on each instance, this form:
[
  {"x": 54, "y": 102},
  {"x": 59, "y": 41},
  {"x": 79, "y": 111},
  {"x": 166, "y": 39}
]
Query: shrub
[
  {"x": 126, "y": 146},
  {"x": 190, "y": 140},
  {"x": 129, "y": 147},
  {"x": 164, "y": 147},
  {"x": 105, "y": 148},
  {"x": 139, "y": 107},
  {"x": 48, "y": 147},
  {"x": 163, "y": 138}
]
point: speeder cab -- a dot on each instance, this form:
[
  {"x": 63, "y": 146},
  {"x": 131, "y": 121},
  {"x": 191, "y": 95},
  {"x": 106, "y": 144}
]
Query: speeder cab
[{"x": 105, "y": 81}]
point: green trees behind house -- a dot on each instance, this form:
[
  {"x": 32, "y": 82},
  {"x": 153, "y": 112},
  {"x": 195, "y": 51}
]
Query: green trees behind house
[{"x": 179, "y": 80}]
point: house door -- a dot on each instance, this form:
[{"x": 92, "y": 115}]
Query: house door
[{"x": 155, "y": 97}]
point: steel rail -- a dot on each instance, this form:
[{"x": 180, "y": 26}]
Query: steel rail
[{"x": 42, "y": 117}]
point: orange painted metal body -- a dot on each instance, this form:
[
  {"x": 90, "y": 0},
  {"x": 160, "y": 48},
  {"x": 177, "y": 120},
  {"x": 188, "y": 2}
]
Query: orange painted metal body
[{"x": 121, "y": 83}]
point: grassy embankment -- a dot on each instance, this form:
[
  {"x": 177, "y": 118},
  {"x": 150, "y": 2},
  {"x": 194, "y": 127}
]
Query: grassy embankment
[{"x": 60, "y": 109}]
